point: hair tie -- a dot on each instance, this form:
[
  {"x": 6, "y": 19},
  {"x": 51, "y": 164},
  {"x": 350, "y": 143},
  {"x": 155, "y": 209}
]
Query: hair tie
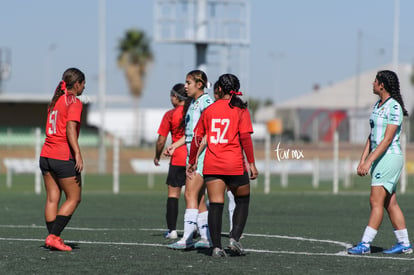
[
  {"x": 63, "y": 85},
  {"x": 236, "y": 93}
]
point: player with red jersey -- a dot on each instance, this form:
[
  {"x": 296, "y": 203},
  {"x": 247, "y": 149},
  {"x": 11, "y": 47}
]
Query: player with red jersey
[
  {"x": 176, "y": 173},
  {"x": 227, "y": 127},
  {"x": 60, "y": 159}
]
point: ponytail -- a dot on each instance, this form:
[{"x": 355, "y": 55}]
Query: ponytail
[{"x": 60, "y": 90}]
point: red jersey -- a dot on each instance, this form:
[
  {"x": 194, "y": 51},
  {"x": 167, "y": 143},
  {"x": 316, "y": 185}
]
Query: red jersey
[
  {"x": 171, "y": 123},
  {"x": 56, "y": 146},
  {"x": 222, "y": 125}
]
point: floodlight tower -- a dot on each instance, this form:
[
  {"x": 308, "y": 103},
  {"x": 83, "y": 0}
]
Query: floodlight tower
[
  {"x": 224, "y": 23},
  {"x": 5, "y": 65}
]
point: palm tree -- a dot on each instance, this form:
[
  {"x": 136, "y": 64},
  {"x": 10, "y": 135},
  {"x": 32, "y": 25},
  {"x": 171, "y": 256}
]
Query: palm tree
[{"x": 134, "y": 57}]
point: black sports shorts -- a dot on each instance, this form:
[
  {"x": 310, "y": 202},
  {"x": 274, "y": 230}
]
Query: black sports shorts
[
  {"x": 176, "y": 176},
  {"x": 230, "y": 180},
  {"x": 60, "y": 168}
]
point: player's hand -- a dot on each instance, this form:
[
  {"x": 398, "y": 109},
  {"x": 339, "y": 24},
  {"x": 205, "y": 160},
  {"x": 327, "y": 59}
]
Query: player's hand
[
  {"x": 363, "y": 168},
  {"x": 190, "y": 170},
  {"x": 253, "y": 171},
  {"x": 78, "y": 162},
  {"x": 169, "y": 151},
  {"x": 157, "y": 161}
]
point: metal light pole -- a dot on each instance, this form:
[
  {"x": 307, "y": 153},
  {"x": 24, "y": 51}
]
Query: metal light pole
[
  {"x": 102, "y": 86},
  {"x": 396, "y": 34}
]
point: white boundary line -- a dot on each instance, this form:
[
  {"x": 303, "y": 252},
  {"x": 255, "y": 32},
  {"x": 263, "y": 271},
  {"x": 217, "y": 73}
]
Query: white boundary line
[{"x": 338, "y": 254}]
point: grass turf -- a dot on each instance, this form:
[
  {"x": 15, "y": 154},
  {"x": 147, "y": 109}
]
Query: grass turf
[{"x": 293, "y": 230}]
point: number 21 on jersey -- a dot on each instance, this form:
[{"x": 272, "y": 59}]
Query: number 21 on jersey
[
  {"x": 219, "y": 127},
  {"x": 52, "y": 122}
]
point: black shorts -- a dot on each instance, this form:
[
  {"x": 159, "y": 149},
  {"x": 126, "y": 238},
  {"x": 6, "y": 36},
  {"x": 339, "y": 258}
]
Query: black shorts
[
  {"x": 230, "y": 180},
  {"x": 60, "y": 168},
  {"x": 176, "y": 176}
]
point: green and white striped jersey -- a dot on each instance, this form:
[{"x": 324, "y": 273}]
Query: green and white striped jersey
[
  {"x": 389, "y": 113},
  {"x": 193, "y": 114}
]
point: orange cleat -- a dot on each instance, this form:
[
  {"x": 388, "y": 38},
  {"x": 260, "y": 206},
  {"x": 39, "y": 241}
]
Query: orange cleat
[{"x": 53, "y": 241}]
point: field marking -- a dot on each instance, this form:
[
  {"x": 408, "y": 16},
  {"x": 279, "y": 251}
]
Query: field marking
[
  {"x": 338, "y": 254},
  {"x": 345, "y": 245},
  {"x": 67, "y": 228}
]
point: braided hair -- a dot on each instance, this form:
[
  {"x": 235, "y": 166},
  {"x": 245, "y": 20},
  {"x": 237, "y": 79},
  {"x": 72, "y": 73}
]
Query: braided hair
[
  {"x": 392, "y": 85},
  {"x": 230, "y": 84},
  {"x": 69, "y": 78}
]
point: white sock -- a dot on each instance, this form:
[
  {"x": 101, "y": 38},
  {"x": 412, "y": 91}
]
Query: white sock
[
  {"x": 190, "y": 223},
  {"x": 202, "y": 223},
  {"x": 402, "y": 236},
  {"x": 232, "y": 205},
  {"x": 369, "y": 235}
]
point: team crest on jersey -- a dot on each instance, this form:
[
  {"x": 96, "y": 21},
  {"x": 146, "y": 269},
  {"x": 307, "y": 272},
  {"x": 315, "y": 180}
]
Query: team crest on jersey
[{"x": 381, "y": 112}]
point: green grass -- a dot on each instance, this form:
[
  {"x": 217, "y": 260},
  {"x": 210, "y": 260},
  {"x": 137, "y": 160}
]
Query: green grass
[{"x": 293, "y": 230}]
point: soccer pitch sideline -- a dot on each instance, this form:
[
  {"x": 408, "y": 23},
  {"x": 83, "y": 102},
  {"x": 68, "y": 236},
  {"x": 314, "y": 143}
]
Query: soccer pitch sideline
[{"x": 286, "y": 233}]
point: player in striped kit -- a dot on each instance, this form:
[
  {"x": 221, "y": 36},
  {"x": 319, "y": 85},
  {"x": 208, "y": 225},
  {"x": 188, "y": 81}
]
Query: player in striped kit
[
  {"x": 382, "y": 157},
  {"x": 196, "y": 212}
]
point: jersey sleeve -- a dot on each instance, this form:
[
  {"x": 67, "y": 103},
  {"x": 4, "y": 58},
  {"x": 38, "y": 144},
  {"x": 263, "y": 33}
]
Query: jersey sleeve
[
  {"x": 245, "y": 125},
  {"x": 164, "y": 128},
  {"x": 75, "y": 111},
  {"x": 207, "y": 101},
  {"x": 396, "y": 115}
]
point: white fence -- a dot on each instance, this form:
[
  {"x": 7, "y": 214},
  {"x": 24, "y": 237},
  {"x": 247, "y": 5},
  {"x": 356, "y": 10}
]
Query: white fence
[{"x": 331, "y": 169}]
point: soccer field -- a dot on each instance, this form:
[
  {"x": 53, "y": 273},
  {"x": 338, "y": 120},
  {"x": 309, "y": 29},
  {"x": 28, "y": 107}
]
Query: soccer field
[{"x": 288, "y": 232}]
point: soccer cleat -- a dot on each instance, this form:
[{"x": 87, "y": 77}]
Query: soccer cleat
[
  {"x": 171, "y": 235},
  {"x": 360, "y": 249},
  {"x": 236, "y": 247},
  {"x": 53, "y": 241},
  {"x": 202, "y": 243},
  {"x": 399, "y": 249},
  {"x": 218, "y": 253},
  {"x": 181, "y": 245}
]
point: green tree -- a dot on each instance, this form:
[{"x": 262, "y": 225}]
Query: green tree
[{"x": 134, "y": 57}]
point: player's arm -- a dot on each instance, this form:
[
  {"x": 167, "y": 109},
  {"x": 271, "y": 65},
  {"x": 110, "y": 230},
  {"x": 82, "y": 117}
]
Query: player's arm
[
  {"x": 159, "y": 146},
  {"x": 194, "y": 153},
  {"x": 364, "y": 156},
  {"x": 247, "y": 144},
  {"x": 203, "y": 145},
  {"x": 170, "y": 149},
  {"x": 197, "y": 145},
  {"x": 381, "y": 148},
  {"x": 72, "y": 135}
]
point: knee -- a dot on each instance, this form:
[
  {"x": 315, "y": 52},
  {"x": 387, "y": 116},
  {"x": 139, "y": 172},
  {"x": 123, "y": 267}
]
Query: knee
[{"x": 74, "y": 200}]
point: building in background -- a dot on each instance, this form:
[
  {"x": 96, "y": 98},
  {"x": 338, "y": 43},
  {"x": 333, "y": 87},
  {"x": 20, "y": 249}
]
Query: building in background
[{"x": 344, "y": 107}]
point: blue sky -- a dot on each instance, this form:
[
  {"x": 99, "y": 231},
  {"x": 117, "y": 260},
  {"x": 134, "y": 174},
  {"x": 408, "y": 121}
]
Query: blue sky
[{"x": 295, "y": 44}]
